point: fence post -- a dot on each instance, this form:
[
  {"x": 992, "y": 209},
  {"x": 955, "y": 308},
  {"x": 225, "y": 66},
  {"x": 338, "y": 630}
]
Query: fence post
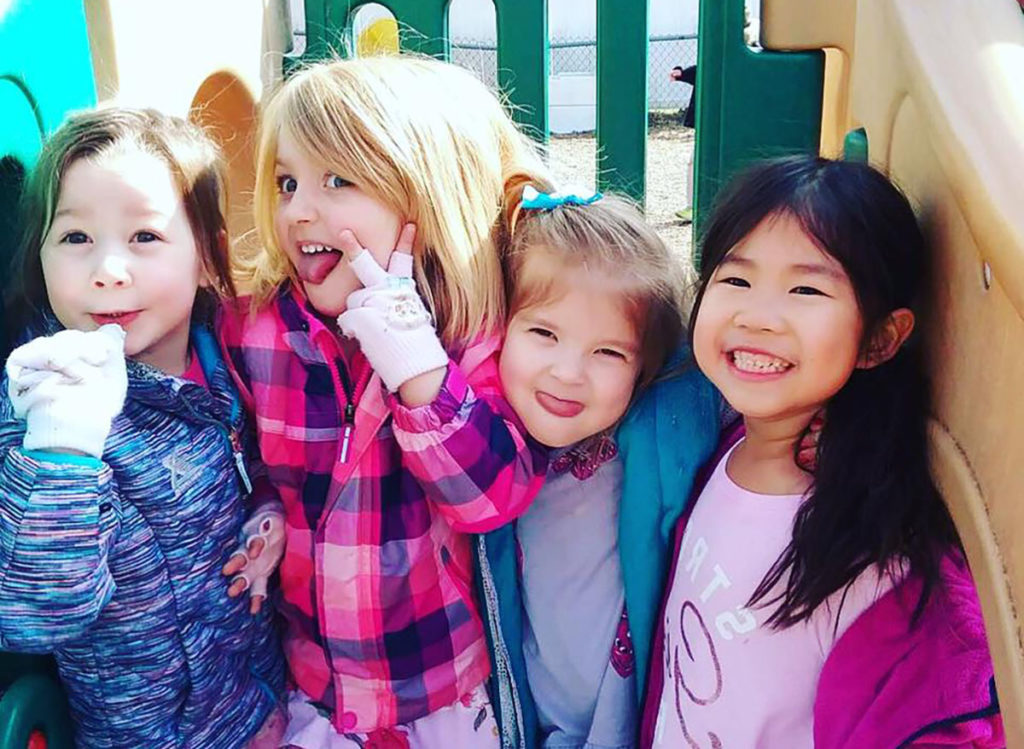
[
  {"x": 622, "y": 95},
  {"x": 523, "y": 55}
]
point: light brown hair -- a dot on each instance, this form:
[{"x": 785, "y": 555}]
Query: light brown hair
[{"x": 610, "y": 236}]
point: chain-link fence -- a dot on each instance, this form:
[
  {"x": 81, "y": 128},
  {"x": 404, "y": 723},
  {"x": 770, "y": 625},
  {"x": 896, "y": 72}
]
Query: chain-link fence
[{"x": 579, "y": 57}]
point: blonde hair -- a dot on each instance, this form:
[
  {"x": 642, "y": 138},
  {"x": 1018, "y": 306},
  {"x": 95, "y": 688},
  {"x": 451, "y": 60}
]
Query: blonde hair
[
  {"x": 427, "y": 140},
  {"x": 610, "y": 236}
]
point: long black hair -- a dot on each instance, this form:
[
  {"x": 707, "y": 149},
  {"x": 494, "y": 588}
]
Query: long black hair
[{"x": 873, "y": 501}]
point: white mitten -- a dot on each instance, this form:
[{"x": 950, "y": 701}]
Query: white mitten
[
  {"x": 69, "y": 387},
  {"x": 257, "y": 568},
  {"x": 388, "y": 319}
]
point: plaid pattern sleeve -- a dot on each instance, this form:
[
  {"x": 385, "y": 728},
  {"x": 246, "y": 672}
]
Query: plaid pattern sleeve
[{"x": 468, "y": 452}]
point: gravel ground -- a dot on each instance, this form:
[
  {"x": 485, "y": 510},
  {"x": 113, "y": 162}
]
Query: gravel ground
[{"x": 572, "y": 160}]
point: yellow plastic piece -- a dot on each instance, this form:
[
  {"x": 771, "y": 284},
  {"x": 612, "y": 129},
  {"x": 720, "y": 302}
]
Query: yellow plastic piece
[
  {"x": 380, "y": 37},
  {"x": 937, "y": 86}
]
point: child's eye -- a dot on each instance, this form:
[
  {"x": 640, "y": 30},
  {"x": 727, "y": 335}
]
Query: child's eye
[
  {"x": 144, "y": 237},
  {"x": 287, "y": 184},
  {"x": 542, "y": 332},
  {"x": 75, "y": 237},
  {"x": 612, "y": 353},
  {"x": 807, "y": 291},
  {"x": 735, "y": 281},
  {"x": 335, "y": 182}
]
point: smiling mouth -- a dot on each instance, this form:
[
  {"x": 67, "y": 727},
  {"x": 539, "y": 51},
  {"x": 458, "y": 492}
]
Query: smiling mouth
[
  {"x": 118, "y": 318},
  {"x": 565, "y": 409},
  {"x": 758, "y": 363}
]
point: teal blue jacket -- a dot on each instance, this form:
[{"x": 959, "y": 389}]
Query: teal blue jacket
[{"x": 666, "y": 436}]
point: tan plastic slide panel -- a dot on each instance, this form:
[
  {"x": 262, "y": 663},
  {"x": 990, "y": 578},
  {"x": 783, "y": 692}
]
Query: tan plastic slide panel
[
  {"x": 208, "y": 59},
  {"x": 939, "y": 88}
]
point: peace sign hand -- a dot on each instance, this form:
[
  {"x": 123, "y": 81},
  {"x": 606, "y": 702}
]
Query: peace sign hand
[{"x": 387, "y": 316}]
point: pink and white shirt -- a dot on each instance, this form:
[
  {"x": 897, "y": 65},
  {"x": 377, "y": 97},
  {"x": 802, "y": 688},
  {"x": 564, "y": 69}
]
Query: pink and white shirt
[{"x": 728, "y": 680}]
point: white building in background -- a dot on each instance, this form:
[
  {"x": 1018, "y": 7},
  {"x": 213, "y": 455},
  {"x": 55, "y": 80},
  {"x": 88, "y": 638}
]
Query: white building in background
[{"x": 572, "y": 30}]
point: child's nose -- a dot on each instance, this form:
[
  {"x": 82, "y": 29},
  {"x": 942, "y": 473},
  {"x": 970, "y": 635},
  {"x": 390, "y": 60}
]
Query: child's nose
[
  {"x": 568, "y": 367},
  {"x": 112, "y": 271},
  {"x": 300, "y": 208},
  {"x": 760, "y": 315}
]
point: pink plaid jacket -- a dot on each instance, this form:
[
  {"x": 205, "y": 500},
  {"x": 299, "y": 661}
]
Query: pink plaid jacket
[{"x": 377, "y": 589}]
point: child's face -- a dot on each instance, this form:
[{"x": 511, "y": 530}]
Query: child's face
[
  {"x": 121, "y": 250},
  {"x": 569, "y": 364},
  {"x": 313, "y": 209},
  {"x": 779, "y": 329}
]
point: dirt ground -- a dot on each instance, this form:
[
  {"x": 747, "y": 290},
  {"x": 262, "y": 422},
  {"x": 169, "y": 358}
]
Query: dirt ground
[{"x": 572, "y": 160}]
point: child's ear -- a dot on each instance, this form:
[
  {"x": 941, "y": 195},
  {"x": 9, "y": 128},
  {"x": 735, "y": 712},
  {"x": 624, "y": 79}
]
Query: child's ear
[{"x": 891, "y": 334}]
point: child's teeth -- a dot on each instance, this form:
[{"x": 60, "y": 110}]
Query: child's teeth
[
  {"x": 749, "y": 362},
  {"x": 312, "y": 249}
]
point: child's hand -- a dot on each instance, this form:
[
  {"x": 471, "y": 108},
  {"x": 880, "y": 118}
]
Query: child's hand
[
  {"x": 69, "y": 387},
  {"x": 388, "y": 318},
  {"x": 256, "y": 558}
]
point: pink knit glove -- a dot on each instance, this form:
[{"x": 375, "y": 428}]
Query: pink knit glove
[
  {"x": 387, "y": 316},
  {"x": 256, "y": 558}
]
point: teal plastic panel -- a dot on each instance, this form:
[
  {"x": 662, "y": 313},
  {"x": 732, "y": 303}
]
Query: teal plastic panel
[{"x": 45, "y": 72}]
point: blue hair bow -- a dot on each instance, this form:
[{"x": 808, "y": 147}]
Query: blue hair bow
[{"x": 532, "y": 198}]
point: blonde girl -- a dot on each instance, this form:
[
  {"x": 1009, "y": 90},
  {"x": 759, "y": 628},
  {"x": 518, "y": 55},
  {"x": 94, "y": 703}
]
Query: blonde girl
[{"x": 368, "y": 353}]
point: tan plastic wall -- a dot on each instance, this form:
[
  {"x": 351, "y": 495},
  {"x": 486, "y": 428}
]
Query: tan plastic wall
[
  {"x": 938, "y": 85},
  {"x": 210, "y": 60}
]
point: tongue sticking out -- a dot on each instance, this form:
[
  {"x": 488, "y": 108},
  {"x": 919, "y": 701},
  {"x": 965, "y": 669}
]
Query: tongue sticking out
[{"x": 315, "y": 268}]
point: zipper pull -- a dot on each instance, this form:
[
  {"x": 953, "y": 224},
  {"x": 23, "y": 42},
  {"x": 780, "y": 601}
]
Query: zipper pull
[
  {"x": 346, "y": 435},
  {"x": 236, "y": 449}
]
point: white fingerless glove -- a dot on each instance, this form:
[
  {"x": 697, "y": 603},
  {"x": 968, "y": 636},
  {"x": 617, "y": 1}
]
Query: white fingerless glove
[
  {"x": 68, "y": 388},
  {"x": 267, "y": 525},
  {"x": 390, "y": 322}
]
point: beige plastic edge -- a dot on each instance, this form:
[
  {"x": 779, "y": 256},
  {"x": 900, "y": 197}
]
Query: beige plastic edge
[
  {"x": 937, "y": 85},
  {"x": 211, "y": 60}
]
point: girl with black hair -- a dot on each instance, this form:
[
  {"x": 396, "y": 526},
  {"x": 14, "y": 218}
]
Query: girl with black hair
[{"x": 833, "y": 608}]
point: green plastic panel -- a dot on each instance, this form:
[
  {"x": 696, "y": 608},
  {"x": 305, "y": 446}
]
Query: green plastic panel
[
  {"x": 751, "y": 104},
  {"x": 523, "y": 62},
  {"x": 35, "y": 702}
]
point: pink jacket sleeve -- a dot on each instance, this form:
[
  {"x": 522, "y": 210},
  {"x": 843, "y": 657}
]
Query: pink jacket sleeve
[{"x": 467, "y": 448}]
